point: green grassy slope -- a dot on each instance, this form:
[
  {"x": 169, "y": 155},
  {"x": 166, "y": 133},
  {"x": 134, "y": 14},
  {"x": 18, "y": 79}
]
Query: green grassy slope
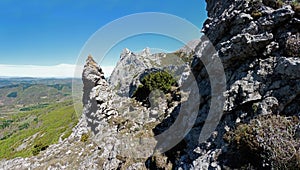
[
  {"x": 35, "y": 113},
  {"x": 33, "y": 131}
]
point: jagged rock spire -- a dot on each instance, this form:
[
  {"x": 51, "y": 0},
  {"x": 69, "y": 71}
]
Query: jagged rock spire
[{"x": 145, "y": 52}]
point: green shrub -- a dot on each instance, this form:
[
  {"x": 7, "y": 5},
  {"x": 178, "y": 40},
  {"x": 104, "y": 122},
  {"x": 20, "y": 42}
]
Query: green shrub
[
  {"x": 254, "y": 107},
  {"x": 256, "y": 14},
  {"x": 38, "y": 147},
  {"x": 296, "y": 6},
  {"x": 84, "y": 137},
  {"x": 36, "y": 120},
  {"x": 30, "y": 108},
  {"x": 24, "y": 126},
  {"x": 5, "y": 123},
  {"x": 6, "y": 136},
  {"x": 159, "y": 81},
  {"x": 268, "y": 139}
]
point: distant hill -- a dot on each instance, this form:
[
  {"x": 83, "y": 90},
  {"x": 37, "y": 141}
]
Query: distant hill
[
  {"x": 35, "y": 113},
  {"x": 16, "y": 93}
]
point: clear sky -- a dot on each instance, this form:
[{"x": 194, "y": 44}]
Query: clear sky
[{"x": 51, "y": 33}]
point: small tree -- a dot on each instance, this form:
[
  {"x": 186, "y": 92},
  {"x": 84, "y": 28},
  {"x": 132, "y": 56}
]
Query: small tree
[{"x": 159, "y": 80}]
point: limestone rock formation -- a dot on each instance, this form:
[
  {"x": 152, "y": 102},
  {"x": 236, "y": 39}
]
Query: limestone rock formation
[
  {"x": 258, "y": 44},
  {"x": 132, "y": 66},
  {"x": 252, "y": 38}
]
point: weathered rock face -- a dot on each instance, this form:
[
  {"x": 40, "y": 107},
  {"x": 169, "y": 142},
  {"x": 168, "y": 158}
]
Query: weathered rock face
[
  {"x": 127, "y": 68},
  {"x": 255, "y": 51},
  {"x": 121, "y": 127},
  {"x": 253, "y": 39},
  {"x": 131, "y": 67},
  {"x": 258, "y": 44}
]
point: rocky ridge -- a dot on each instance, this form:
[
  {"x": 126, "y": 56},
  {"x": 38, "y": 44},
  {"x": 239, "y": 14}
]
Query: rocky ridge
[
  {"x": 257, "y": 42},
  {"x": 131, "y": 66},
  {"x": 253, "y": 39}
]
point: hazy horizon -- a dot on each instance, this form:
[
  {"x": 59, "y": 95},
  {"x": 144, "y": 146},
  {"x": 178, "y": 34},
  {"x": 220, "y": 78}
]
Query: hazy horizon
[
  {"x": 55, "y": 71},
  {"x": 50, "y": 34}
]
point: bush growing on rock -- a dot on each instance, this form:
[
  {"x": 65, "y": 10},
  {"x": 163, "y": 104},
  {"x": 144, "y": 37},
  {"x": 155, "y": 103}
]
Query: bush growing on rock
[
  {"x": 269, "y": 140},
  {"x": 159, "y": 80},
  {"x": 84, "y": 137},
  {"x": 256, "y": 14},
  {"x": 296, "y": 6},
  {"x": 38, "y": 147},
  {"x": 292, "y": 45},
  {"x": 160, "y": 161}
]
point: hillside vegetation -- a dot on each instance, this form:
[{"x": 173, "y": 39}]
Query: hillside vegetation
[{"x": 34, "y": 114}]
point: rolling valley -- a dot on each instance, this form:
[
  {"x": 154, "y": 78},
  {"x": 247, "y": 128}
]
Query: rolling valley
[{"x": 35, "y": 113}]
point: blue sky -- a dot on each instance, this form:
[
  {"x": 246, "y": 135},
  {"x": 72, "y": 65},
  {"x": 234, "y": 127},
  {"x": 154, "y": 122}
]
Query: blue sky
[{"x": 48, "y": 33}]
